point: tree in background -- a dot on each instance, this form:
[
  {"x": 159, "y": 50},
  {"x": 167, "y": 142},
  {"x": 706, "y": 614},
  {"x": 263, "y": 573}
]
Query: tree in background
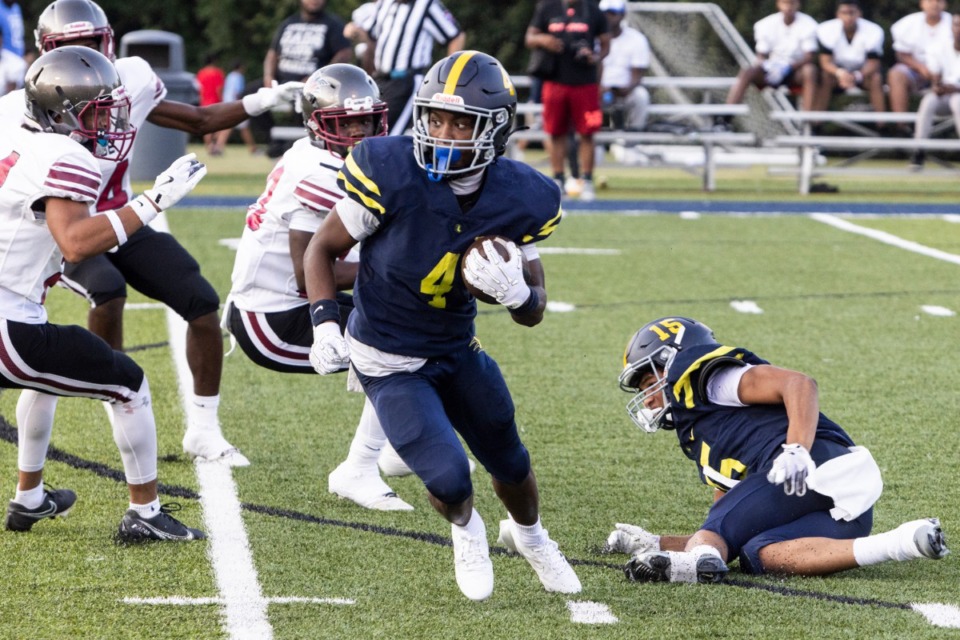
[{"x": 243, "y": 28}]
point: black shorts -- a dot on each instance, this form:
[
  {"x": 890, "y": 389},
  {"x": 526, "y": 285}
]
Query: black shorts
[
  {"x": 154, "y": 264},
  {"x": 65, "y": 361},
  {"x": 281, "y": 340}
]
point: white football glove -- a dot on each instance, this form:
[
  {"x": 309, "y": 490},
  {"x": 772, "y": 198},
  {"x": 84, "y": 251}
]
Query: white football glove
[
  {"x": 170, "y": 187},
  {"x": 629, "y": 538},
  {"x": 329, "y": 352},
  {"x": 268, "y": 98},
  {"x": 498, "y": 278},
  {"x": 775, "y": 72},
  {"x": 791, "y": 469}
]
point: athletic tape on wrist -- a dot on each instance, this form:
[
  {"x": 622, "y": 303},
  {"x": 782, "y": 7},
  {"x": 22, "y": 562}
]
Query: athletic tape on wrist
[
  {"x": 531, "y": 304},
  {"x": 252, "y": 104},
  {"x": 324, "y": 311},
  {"x": 143, "y": 206},
  {"x": 117, "y": 226}
]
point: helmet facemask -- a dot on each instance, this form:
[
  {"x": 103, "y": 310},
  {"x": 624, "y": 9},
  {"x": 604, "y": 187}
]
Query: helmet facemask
[
  {"x": 652, "y": 370},
  {"x": 330, "y": 125},
  {"x": 104, "y": 125},
  {"x": 439, "y": 155}
]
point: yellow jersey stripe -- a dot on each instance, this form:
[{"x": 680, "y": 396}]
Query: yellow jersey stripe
[
  {"x": 683, "y": 389},
  {"x": 454, "y": 77},
  {"x": 351, "y": 174}
]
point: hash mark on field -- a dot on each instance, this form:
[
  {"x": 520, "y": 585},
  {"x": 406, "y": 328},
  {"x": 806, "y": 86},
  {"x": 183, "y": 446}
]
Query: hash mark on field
[
  {"x": 746, "y": 306},
  {"x": 936, "y": 310},
  {"x": 579, "y": 251},
  {"x": 587, "y": 612}
]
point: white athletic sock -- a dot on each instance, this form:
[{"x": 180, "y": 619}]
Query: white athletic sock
[
  {"x": 204, "y": 413},
  {"x": 147, "y": 511},
  {"x": 474, "y": 526},
  {"x": 35, "y": 413},
  {"x": 532, "y": 535},
  {"x": 31, "y": 498},
  {"x": 135, "y": 433},
  {"x": 896, "y": 544},
  {"x": 683, "y": 566},
  {"x": 368, "y": 441}
]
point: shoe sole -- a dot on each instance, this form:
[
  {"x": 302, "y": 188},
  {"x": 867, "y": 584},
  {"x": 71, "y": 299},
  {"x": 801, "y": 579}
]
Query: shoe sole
[{"x": 25, "y": 522}]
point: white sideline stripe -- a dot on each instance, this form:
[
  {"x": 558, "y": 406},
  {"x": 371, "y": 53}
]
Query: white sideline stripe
[
  {"x": 746, "y": 306},
  {"x": 140, "y": 306},
  {"x": 580, "y": 251},
  {"x": 244, "y": 609},
  {"x": 184, "y": 601},
  {"x": 939, "y": 614},
  {"x": 886, "y": 238},
  {"x": 587, "y": 612},
  {"x": 936, "y": 310},
  {"x": 951, "y": 217}
]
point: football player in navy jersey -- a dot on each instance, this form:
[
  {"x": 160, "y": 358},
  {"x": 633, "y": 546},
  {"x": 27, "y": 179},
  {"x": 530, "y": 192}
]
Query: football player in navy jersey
[
  {"x": 794, "y": 494},
  {"x": 415, "y": 206}
]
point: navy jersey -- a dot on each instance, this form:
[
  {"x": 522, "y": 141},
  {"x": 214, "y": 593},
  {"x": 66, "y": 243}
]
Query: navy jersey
[
  {"x": 409, "y": 295},
  {"x": 727, "y": 443}
]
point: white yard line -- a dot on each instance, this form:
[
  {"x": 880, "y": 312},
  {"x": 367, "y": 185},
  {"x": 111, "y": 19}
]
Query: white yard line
[
  {"x": 886, "y": 238},
  {"x": 243, "y": 607},
  {"x": 939, "y": 614}
]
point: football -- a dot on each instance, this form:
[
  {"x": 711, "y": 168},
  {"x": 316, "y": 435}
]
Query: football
[{"x": 501, "y": 243}]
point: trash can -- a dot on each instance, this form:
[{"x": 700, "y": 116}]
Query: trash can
[{"x": 157, "y": 147}]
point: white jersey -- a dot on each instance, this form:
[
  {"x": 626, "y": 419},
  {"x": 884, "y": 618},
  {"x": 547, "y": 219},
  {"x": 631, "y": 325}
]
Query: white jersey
[
  {"x": 852, "y": 54},
  {"x": 35, "y": 166},
  {"x": 145, "y": 90},
  {"x": 629, "y": 50},
  {"x": 911, "y": 34},
  {"x": 300, "y": 192},
  {"x": 781, "y": 42},
  {"x": 943, "y": 59}
]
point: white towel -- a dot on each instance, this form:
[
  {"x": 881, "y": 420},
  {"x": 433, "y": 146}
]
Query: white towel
[{"x": 852, "y": 480}]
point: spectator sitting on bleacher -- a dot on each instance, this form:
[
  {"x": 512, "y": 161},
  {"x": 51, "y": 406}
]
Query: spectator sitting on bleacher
[
  {"x": 850, "y": 52},
  {"x": 943, "y": 61},
  {"x": 785, "y": 46},
  {"x": 624, "y": 98},
  {"x": 912, "y": 35}
]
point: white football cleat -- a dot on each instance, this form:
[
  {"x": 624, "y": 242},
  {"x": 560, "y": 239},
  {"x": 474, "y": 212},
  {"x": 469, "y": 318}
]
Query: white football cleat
[
  {"x": 471, "y": 563},
  {"x": 928, "y": 537},
  {"x": 208, "y": 445},
  {"x": 366, "y": 489},
  {"x": 552, "y": 568},
  {"x": 391, "y": 464}
]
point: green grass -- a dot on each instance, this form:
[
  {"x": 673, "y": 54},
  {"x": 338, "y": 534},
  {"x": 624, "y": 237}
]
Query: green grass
[{"x": 841, "y": 307}]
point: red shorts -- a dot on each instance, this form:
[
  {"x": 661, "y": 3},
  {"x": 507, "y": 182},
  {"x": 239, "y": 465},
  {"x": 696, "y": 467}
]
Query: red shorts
[{"x": 568, "y": 106}]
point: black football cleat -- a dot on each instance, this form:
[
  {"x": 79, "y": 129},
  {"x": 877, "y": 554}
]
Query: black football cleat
[
  {"x": 56, "y": 502},
  {"x": 163, "y": 527}
]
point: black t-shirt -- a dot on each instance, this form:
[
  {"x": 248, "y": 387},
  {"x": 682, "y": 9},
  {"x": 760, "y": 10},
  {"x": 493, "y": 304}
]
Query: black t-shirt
[
  {"x": 575, "y": 25},
  {"x": 303, "y": 47}
]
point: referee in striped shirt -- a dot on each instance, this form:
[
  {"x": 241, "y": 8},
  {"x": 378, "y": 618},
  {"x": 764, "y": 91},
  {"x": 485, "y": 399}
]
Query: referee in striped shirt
[{"x": 401, "y": 36}]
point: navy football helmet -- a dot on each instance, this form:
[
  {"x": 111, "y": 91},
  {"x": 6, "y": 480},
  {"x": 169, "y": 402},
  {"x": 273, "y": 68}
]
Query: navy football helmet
[
  {"x": 76, "y": 92},
  {"x": 332, "y": 96},
  {"x": 471, "y": 83},
  {"x": 64, "y": 21},
  {"x": 652, "y": 350}
]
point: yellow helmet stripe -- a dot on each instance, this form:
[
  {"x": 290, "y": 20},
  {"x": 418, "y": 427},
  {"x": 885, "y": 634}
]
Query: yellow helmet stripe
[{"x": 454, "y": 77}]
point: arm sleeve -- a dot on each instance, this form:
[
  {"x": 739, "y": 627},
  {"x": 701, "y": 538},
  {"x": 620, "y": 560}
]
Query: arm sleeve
[{"x": 722, "y": 385}]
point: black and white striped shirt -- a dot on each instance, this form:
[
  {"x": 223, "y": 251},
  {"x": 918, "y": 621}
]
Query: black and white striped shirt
[{"x": 406, "y": 32}]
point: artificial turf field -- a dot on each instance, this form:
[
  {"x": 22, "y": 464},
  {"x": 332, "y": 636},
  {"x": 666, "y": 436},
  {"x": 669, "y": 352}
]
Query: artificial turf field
[{"x": 871, "y": 317}]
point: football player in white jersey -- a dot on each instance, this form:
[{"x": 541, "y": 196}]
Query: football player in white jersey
[
  {"x": 267, "y": 311},
  {"x": 77, "y": 113},
  {"x": 785, "y": 46},
  {"x": 850, "y": 52},
  {"x": 153, "y": 263},
  {"x": 912, "y": 36}
]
